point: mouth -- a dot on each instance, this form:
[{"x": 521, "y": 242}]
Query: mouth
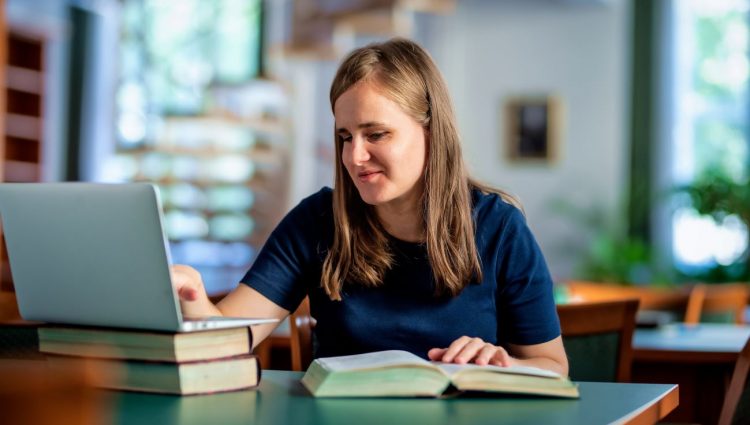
[{"x": 368, "y": 175}]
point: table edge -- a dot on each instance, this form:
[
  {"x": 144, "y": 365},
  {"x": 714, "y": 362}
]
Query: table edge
[
  {"x": 683, "y": 356},
  {"x": 654, "y": 411}
]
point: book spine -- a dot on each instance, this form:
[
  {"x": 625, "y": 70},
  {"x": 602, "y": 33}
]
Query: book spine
[
  {"x": 249, "y": 339},
  {"x": 260, "y": 369}
]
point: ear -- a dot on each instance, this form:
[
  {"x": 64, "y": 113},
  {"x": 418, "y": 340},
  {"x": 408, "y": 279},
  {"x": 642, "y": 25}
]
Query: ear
[{"x": 426, "y": 131}]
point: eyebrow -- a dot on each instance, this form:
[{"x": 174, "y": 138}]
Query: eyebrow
[{"x": 363, "y": 125}]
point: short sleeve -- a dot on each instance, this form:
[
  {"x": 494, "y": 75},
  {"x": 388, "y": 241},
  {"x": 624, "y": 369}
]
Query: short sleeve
[
  {"x": 289, "y": 262},
  {"x": 526, "y": 308}
]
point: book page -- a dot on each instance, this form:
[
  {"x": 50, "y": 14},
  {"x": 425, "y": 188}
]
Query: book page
[
  {"x": 376, "y": 360},
  {"x": 453, "y": 368}
]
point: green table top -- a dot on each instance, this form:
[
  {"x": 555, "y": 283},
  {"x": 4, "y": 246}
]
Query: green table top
[
  {"x": 703, "y": 337},
  {"x": 281, "y": 399}
]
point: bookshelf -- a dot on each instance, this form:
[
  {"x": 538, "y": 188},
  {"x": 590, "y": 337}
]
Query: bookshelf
[
  {"x": 223, "y": 177},
  {"x": 22, "y": 134}
]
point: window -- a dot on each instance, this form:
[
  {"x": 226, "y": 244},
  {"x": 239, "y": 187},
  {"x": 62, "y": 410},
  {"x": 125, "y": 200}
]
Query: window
[{"x": 710, "y": 132}]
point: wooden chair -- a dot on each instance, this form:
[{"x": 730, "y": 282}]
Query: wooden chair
[
  {"x": 736, "y": 407},
  {"x": 598, "y": 338},
  {"x": 301, "y": 325},
  {"x": 8, "y": 306},
  {"x": 651, "y": 298},
  {"x": 721, "y": 301}
]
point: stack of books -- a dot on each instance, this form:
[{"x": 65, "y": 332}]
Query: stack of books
[{"x": 161, "y": 362}]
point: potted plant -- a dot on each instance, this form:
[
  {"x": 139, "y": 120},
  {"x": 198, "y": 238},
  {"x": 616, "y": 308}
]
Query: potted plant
[{"x": 719, "y": 196}]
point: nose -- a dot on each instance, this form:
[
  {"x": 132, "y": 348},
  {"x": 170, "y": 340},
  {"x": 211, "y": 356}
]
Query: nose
[{"x": 360, "y": 154}]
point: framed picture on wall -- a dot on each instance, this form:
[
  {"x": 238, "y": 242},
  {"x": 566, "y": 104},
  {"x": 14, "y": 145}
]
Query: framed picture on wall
[{"x": 532, "y": 128}]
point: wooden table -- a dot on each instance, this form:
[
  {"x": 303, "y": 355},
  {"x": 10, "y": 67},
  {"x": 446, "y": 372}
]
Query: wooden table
[
  {"x": 700, "y": 358},
  {"x": 281, "y": 399}
]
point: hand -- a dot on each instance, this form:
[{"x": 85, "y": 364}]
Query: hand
[
  {"x": 466, "y": 349},
  {"x": 189, "y": 285}
]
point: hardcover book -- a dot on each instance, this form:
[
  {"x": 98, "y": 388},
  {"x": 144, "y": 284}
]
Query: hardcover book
[
  {"x": 402, "y": 374},
  {"x": 188, "y": 378},
  {"x": 144, "y": 345}
]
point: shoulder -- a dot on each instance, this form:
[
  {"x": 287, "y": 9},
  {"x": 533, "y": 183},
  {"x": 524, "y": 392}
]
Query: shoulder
[
  {"x": 310, "y": 213},
  {"x": 319, "y": 202},
  {"x": 490, "y": 207}
]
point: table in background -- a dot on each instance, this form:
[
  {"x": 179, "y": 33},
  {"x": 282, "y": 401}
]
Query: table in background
[
  {"x": 281, "y": 399},
  {"x": 700, "y": 358}
]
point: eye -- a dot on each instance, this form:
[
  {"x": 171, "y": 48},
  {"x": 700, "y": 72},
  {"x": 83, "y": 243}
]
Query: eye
[
  {"x": 345, "y": 138},
  {"x": 377, "y": 136}
]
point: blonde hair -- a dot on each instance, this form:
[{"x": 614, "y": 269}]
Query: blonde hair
[{"x": 360, "y": 252}]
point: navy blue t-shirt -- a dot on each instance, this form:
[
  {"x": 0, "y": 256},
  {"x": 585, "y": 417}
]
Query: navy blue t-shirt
[{"x": 513, "y": 304}]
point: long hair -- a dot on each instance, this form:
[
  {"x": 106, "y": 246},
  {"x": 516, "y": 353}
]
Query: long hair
[{"x": 406, "y": 74}]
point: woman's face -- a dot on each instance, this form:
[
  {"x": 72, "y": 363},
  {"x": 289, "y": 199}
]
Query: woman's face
[{"x": 384, "y": 149}]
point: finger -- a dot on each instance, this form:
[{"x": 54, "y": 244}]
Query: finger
[
  {"x": 178, "y": 277},
  {"x": 486, "y": 354},
  {"x": 455, "y": 348},
  {"x": 501, "y": 358},
  {"x": 436, "y": 353},
  {"x": 469, "y": 351},
  {"x": 187, "y": 293},
  {"x": 187, "y": 281},
  {"x": 183, "y": 273}
]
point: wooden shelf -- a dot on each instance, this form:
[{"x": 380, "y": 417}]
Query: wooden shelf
[
  {"x": 18, "y": 171},
  {"x": 23, "y": 126},
  {"x": 23, "y": 74},
  {"x": 260, "y": 125},
  {"x": 24, "y": 80}
]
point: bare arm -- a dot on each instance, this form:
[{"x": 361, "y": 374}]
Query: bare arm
[
  {"x": 243, "y": 301},
  {"x": 549, "y": 355}
]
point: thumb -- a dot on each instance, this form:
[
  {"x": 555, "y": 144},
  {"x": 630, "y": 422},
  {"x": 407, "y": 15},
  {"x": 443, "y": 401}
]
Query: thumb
[
  {"x": 185, "y": 283},
  {"x": 188, "y": 293}
]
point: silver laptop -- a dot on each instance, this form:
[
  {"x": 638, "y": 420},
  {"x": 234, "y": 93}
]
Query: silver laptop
[{"x": 94, "y": 254}]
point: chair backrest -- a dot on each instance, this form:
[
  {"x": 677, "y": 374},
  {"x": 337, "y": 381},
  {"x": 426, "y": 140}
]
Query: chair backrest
[
  {"x": 651, "y": 298},
  {"x": 598, "y": 338},
  {"x": 615, "y": 322},
  {"x": 301, "y": 325},
  {"x": 725, "y": 301},
  {"x": 736, "y": 407}
]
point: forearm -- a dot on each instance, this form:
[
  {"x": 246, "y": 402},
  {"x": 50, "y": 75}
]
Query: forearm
[
  {"x": 247, "y": 302},
  {"x": 544, "y": 363},
  {"x": 549, "y": 355},
  {"x": 200, "y": 309}
]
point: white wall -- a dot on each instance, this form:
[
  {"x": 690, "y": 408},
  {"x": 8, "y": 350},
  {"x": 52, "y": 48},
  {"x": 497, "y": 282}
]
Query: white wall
[{"x": 489, "y": 50}]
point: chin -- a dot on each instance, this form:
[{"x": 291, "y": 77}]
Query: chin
[{"x": 373, "y": 198}]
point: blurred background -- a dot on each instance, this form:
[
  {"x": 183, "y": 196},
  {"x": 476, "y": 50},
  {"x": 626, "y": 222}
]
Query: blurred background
[{"x": 621, "y": 125}]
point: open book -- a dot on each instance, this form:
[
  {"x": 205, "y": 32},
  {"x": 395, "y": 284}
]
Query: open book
[{"x": 400, "y": 373}]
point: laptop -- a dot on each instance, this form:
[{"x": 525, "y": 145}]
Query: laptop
[{"x": 94, "y": 255}]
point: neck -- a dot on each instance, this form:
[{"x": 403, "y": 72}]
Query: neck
[{"x": 402, "y": 221}]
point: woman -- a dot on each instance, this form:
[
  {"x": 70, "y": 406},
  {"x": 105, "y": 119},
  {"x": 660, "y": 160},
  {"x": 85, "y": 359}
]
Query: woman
[{"x": 406, "y": 252}]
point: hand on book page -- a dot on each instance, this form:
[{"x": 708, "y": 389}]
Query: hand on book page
[
  {"x": 472, "y": 350},
  {"x": 548, "y": 355}
]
